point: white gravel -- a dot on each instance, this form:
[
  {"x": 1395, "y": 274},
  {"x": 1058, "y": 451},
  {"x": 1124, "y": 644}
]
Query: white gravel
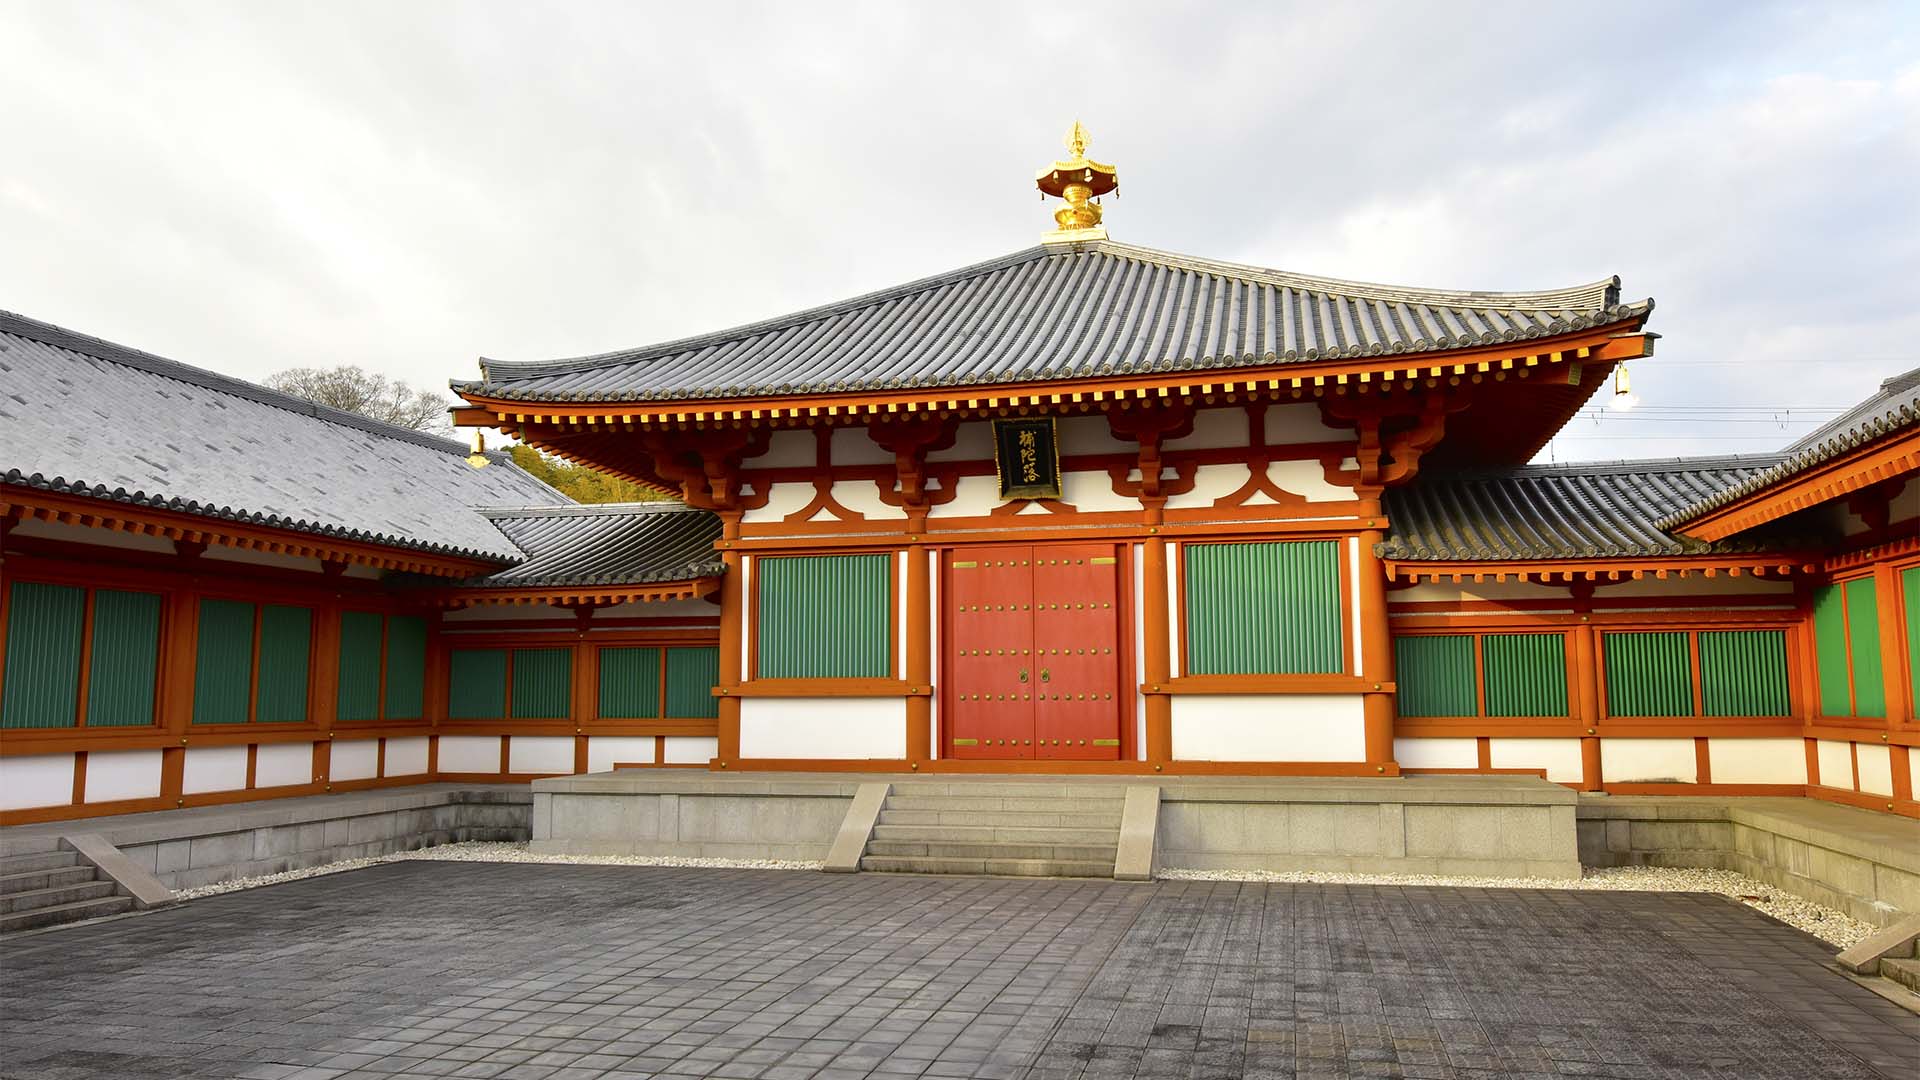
[
  {"x": 1828, "y": 925},
  {"x": 1833, "y": 927}
]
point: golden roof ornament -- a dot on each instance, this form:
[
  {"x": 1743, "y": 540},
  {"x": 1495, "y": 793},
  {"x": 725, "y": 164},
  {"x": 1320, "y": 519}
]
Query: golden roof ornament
[{"x": 1079, "y": 180}]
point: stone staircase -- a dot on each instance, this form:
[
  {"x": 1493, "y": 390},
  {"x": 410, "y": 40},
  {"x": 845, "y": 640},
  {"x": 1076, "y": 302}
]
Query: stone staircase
[
  {"x": 1893, "y": 955},
  {"x": 1008, "y": 829},
  {"x": 47, "y": 888}
]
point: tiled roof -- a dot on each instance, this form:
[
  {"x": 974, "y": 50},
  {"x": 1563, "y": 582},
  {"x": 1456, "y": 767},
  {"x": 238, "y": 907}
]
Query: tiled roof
[
  {"x": 1895, "y": 407},
  {"x": 89, "y": 417},
  {"x": 608, "y": 544},
  {"x": 1578, "y": 511},
  {"x": 1077, "y": 311}
]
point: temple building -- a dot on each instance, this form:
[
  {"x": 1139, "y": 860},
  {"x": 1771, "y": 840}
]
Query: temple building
[{"x": 1087, "y": 508}]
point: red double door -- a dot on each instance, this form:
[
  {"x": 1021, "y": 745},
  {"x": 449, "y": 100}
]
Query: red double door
[{"x": 1034, "y": 653}]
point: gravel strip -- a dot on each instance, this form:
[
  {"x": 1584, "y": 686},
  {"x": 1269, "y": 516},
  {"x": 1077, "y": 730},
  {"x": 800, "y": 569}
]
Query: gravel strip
[
  {"x": 1833, "y": 927},
  {"x": 1828, "y": 925}
]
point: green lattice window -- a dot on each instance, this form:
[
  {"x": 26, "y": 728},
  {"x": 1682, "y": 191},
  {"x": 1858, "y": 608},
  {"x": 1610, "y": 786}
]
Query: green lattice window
[
  {"x": 1264, "y": 608},
  {"x": 825, "y": 616}
]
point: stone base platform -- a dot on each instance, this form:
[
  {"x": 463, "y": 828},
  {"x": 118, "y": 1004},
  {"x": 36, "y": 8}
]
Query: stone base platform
[{"x": 1479, "y": 825}]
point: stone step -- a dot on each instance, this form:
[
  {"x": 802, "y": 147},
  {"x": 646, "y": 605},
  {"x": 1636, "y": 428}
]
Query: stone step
[
  {"x": 55, "y": 896},
  {"x": 1904, "y": 972},
  {"x": 950, "y": 849},
  {"x": 1052, "y": 788},
  {"x": 996, "y": 834},
  {"x": 45, "y": 860},
  {"x": 64, "y": 913},
  {"x": 1037, "y": 803},
  {"x": 931, "y": 864},
  {"x": 44, "y": 879},
  {"x": 1000, "y": 819}
]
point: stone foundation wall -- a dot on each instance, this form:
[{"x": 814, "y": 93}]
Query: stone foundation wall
[{"x": 642, "y": 813}]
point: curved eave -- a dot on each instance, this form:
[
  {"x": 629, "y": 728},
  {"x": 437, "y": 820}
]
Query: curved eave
[
  {"x": 579, "y": 594},
  {"x": 184, "y": 520},
  {"x": 1799, "y": 483},
  {"x": 1609, "y": 343}
]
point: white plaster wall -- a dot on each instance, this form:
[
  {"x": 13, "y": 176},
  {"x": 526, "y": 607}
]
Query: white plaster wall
[
  {"x": 691, "y": 749},
  {"x": 1088, "y": 435},
  {"x": 1301, "y": 424},
  {"x": 974, "y": 496},
  {"x": 486, "y": 613},
  {"x": 361, "y": 570},
  {"x": 1212, "y": 429},
  {"x": 1305, "y": 479},
  {"x": 406, "y": 757},
  {"x": 604, "y": 750},
  {"x": 217, "y": 553},
  {"x": 39, "y": 780},
  {"x": 659, "y": 609},
  {"x": 823, "y": 728},
  {"x": 355, "y": 759},
  {"x": 1268, "y": 727},
  {"x": 540, "y": 754},
  {"x": 214, "y": 768},
  {"x": 862, "y": 497},
  {"x": 1876, "y": 768},
  {"x": 470, "y": 753},
  {"x": 1093, "y": 491},
  {"x": 1626, "y": 761},
  {"x": 934, "y": 643},
  {"x": 1836, "y": 764},
  {"x": 1758, "y": 761},
  {"x": 1694, "y": 585},
  {"x": 789, "y": 448},
  {"x": 1449, "y": 593},
  {"x": 283, "y": 764},
  {"x": 853, "y": 446},
  {"x": 82, "y": 534},
  {"x": 1560, "y": 757},
  {"x": 786, "y": 498},
  {"x": 1210, "y": 482},
  {"x": 972, "y": 441},
  {"x": 124, "y": 774},
  {"x": 1436, "y": 753}
]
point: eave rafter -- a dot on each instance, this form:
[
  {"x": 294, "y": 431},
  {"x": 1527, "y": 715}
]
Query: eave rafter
[
  {"x": 582, "y": 596},
  {"x": 22, "y": 504},
  {"x": 1772, "y": 566}
]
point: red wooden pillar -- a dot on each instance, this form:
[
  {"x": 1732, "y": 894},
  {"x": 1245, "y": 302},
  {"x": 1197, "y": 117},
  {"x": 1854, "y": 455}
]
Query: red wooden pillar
[
  {"x": 1157, "y": 669},
  {"x": 919, "y": 658},
  {"x": 1376, "y": 653},
  {"x": 732, "y": 621},
  {"x": 176, "y": 691}
]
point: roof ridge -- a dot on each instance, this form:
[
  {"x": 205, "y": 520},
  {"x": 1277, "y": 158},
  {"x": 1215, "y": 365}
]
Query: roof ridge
[
  {"x": 490, "y": 369},
  {"x": 1616, "y": 466},
  {"x": 1605, "y": 292},
  {"x": 61, "y": 337}
]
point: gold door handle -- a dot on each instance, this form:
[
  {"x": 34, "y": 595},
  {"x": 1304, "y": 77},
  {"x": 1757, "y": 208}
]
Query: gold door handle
[
  {"x": 1044, "y": 676},
  {"x": 1023, "y": 674}
]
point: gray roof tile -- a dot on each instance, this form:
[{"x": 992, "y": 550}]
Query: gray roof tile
[
  {"x": 89, "y": 417},
  {"x": 1577, "y": 511},
  {"x": 608, "y": 544},
  {"x": 1893, "y": 408},
  {"x": 1061, "y": 312}
]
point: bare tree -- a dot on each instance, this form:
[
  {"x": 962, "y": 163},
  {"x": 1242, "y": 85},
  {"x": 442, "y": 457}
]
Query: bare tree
[{"x": 353, "y": 389}]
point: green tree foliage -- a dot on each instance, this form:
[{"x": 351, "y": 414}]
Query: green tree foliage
[
  {"x": 578, "y": 482},
  {"x": 357, "y": 390}
]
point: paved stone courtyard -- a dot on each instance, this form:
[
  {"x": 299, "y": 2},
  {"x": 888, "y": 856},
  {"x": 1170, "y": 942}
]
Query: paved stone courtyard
[{"x": 427, "y": 969}]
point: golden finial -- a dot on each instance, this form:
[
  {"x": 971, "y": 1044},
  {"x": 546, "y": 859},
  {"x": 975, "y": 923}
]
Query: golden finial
[
  {"x": 1078, "y": 180},
  {"x": 478, "y": 459}
]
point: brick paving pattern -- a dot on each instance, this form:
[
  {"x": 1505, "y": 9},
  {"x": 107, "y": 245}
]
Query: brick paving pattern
[{"x": 565, "y": 973}]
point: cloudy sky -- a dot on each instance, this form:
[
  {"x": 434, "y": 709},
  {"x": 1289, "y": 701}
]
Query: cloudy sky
[{"x": 255, "y": 186}]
